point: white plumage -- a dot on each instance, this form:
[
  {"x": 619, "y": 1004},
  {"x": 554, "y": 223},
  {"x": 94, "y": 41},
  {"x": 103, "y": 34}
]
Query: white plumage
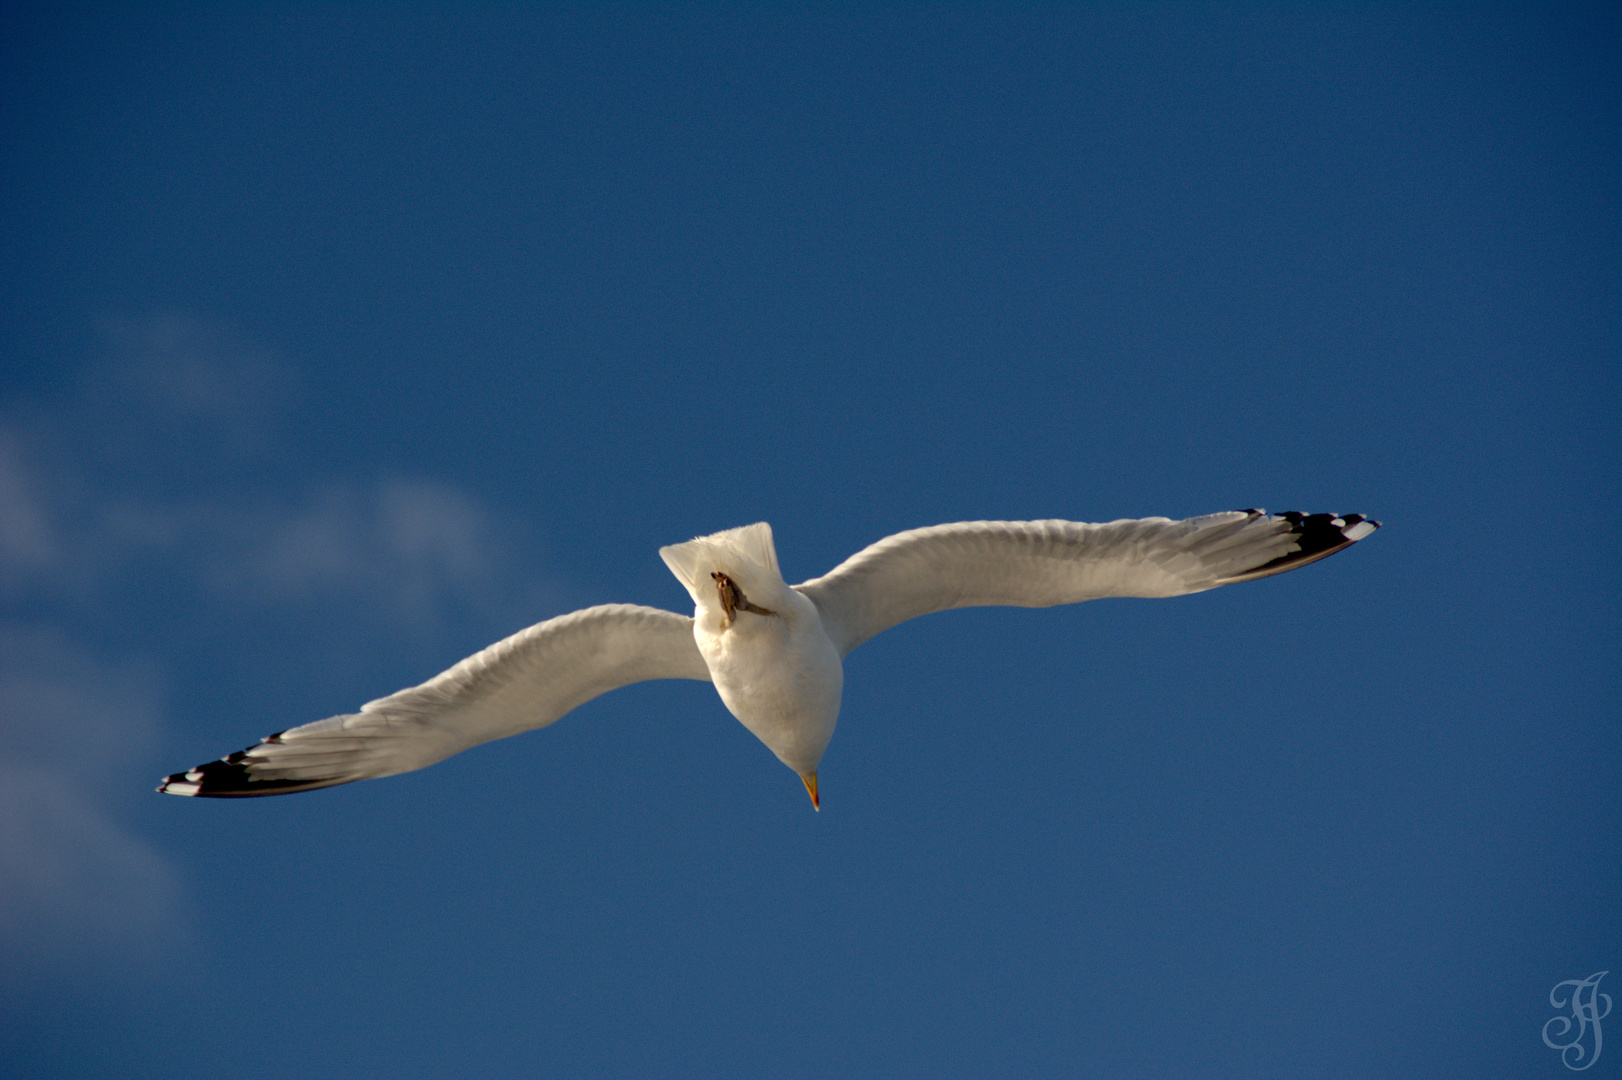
[{"x": 774, "y": 652}]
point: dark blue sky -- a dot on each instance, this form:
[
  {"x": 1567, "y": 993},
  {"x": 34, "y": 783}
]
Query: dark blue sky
[{"x": 340, "y": 343}]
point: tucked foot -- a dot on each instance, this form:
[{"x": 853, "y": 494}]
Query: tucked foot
[{"x": 733, "y": 600}]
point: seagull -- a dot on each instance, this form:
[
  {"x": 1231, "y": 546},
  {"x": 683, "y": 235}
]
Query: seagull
[{"x": 774, "y": 652}]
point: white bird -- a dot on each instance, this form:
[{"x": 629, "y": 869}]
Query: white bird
[{"x": 774, "y": 652}]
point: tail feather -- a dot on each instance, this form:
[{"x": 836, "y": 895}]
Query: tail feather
[{"x": 747, "y": 554}]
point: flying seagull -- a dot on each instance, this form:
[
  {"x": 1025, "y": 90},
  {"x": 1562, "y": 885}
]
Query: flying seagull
[{"x": 773, "y": 651}]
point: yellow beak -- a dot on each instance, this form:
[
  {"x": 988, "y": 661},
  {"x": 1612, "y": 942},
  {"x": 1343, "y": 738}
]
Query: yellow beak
[{"x": 810, "y": 780}]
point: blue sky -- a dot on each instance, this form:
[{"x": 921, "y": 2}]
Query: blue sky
[{"x": 340, "y": 343}]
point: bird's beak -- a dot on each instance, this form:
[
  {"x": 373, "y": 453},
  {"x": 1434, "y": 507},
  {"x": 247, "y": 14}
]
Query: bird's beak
[{"x": 810, "y": 780}]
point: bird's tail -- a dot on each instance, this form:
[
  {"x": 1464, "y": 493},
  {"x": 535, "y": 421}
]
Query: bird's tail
[{"x": 746, "y": 554}]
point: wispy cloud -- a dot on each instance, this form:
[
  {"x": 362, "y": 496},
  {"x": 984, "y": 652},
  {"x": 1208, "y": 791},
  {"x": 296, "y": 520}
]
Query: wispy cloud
[
  {"x": 410, "y": 549},
  {"x": 406, "y": 556},
  {"x": 27, "y": 545},
  {"x": 173, "y": 365},
  {"x": 74, "y": 881}
]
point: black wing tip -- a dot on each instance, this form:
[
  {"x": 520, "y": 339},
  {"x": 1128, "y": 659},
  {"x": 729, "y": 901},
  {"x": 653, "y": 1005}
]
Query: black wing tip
[
  {"x": 1327, "y": 532},
  {"x": 1318, "y": 536},
  {"x": 228, "y": 778}
]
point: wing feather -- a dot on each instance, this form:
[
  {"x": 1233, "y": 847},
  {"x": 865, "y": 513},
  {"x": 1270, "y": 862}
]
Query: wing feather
[
  {"x": 524, "y": 682},
  {"x": 1043, "y": 563}
]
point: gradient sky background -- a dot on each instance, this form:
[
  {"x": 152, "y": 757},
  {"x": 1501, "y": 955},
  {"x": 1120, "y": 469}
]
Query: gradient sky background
[{"x": 340, "y": 343}]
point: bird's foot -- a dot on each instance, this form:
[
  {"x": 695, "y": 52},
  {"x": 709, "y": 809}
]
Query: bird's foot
[{"x": 733, "y": 600}]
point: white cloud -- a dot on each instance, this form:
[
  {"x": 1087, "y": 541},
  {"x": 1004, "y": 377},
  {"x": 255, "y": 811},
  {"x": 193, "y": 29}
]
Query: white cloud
[
  {"x": 63, "y": 705},
  {"x": 171, "y": 365},
  {"x": 74, "y": 882},
  {"x": 26, "y": 543},
  {"x": 410, "y": 549},
  {"x": 81, "y": 518},
  {"x": 414, "y": 551}
]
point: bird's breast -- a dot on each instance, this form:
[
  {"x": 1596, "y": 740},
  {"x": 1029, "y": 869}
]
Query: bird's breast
[{"x": 781, "y": 678}]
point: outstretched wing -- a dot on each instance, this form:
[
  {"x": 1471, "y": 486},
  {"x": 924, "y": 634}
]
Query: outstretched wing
[
  {"x": 1042, "y": 563},
  {"x": 524, "y": 682}
]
